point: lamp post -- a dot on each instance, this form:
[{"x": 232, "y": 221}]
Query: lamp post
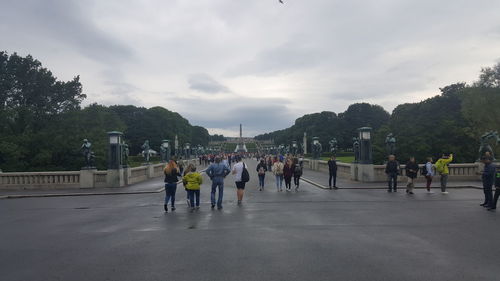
[
  {"x": 187, "y": 148},
  {"x": 294, "y": 147},
  {"x": 365, "y": 146},
  {"x": 115, "y": 150},
  {"x": 165, "y": 148}
]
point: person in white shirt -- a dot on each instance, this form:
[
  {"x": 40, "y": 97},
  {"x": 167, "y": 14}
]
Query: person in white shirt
[{"x": 237, "y": 172}]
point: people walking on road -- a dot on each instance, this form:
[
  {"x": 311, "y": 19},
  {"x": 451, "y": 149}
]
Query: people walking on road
[
  {"x": 278, "y": 173},
  {"x": 171, "y": 178},
  {"x": 442, "y": 169},
  {"x": 261, "y": 172},
  {"x": 238, "y": 178},
  {"x": 493, "y": 205},
  {"x": 288, "y": 174},
  {"x": 392, "y": 171},
  {"x": 217, "y": 172},
  {"x": 332, "y": 171},
  {"x": 192, "y": 181},
  {"x": 411, "y": 173},
  {"x": 297, "y": 173},
  {"x": 269, "y": 163},
  {"x": 488, "y": 179},
  {"x": 428, "y": 173}
]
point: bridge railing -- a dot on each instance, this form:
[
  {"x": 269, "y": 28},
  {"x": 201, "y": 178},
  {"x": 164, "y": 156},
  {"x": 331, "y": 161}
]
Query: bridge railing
[{"x": 35, "y": 180}]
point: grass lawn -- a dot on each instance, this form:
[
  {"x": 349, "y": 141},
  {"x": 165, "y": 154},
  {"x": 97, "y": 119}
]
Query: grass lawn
[{"x": 343, "y": 159}]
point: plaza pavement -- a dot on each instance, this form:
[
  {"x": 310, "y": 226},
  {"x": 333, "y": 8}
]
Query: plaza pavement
[{"x": 313, "y": 234}]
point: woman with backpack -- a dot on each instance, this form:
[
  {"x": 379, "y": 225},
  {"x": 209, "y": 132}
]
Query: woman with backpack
[
  {"x": 278, "y": 173},
  {"x": 261, "y": 171},
  {"x": 428, "y": 173},
  {"x": 288, "y": 174},
  {"x": 297, "y": 173},
  {"x": 241, "y": 177}
]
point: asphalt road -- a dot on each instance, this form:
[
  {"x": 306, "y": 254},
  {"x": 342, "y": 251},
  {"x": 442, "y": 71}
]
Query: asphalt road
[{"x": 312, "y": 234}]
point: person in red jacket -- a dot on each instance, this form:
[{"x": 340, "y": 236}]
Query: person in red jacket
[{"x": 288, "y": 174}]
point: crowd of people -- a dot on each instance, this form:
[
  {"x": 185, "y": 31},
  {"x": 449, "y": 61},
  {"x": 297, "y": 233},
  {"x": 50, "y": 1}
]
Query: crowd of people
[{"x": 288, "y": 168}]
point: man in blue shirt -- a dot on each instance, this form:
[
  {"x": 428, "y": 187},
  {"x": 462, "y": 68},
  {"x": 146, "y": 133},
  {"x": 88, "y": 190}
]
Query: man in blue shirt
[{"x": 217, "y": 172}]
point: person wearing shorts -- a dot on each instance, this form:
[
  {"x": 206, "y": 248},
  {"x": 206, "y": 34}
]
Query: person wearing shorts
[{"x": 237, "y": 172}]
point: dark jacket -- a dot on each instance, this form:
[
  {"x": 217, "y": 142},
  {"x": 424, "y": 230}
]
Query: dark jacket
[
  {"x": 173, "y": 177},
  {"x": 412, "y": 169},
  {"x": 297, "y": 170},
  {"x": 392, "y": 168},
  {"x": 332, "y": 166},
  {"x": 261, "y": 165},
  {"x": 489, "y": 173},
  {"x": 288, "y": 171}
]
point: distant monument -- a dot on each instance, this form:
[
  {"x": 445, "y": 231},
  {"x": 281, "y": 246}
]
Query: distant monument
[
  {"x": 333, "y": 146},
  {"x": 316, "y": 148},
  {"x": 241, "y": 147},
  {"x": 146, "y": 151}
]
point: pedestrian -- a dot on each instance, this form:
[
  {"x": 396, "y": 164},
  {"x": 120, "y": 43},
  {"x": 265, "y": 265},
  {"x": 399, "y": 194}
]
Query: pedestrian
[
  {"x": 493, "y": 205},
  {"x": 238, "y": 178},
  {"x": 442, "y": 169},
  {"x": 261, "y": 172},
  {"x": 193, "y": 181},
  {"x": 332, "y": 171},
  {"x": 297, "y": 173},
  {"x": 288, "y": 174},
  {"x": 392, "y": 171},
  {"x": 269, "y": 163},
  {"x": 488, "y": 179},
  {"x": 411, "y": 173},
  {"x": 217, "y": 172},
  {"x": 171, "y": 178},
  {"x": 428, "y": 172},
  {"x": 278, "y": 173}
]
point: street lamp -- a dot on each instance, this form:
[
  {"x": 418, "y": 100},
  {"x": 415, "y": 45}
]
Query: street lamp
[
  {"x": 294, "y": 147},
  {"x": 187, "y": 147},
  {"x": 115, "y": 153},
  {"x": 165, "y": 149},
  {"x": 365, "y": 146}
]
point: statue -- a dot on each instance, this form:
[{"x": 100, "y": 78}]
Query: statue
[
  {"x": 333, "y": 146},
  {"x": 355, "y": 147},
  {"x": 485, "y": 147},
  {"x": 125, "y": 154},
  {"x": 146, "y": 151},
  {"x": 317, "y": 149},
  {"x": 89, "y": 156},
  {"x": 390, "y": 144}
]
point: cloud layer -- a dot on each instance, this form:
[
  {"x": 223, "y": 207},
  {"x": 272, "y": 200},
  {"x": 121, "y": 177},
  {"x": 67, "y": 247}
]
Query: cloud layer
[{"x": 221, "y": 62}]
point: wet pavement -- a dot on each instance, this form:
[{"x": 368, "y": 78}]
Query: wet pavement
[{"x": 312, "y": 234}]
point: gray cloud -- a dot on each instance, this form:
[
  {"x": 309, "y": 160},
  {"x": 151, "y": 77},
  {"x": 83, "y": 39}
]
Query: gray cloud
[{"x": 204, "y": 83}]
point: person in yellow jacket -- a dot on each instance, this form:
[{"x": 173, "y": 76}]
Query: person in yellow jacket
[
  {"x": 442, "y": 168},
  {"x": 192, "y": 182}
]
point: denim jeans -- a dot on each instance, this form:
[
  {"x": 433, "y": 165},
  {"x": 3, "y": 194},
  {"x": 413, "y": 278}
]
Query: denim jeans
[
  {"x": 488, "y": 193},
  {"x": 279, "y": 182},
  {"x": 392, "y": 180},
  {"x": 194, "y": 195},
  {"x": 217, "y": 182},
  {"x": 261, "y": 180},
  {"x": 332, "y": 177},
  {"x": 170, "y": 190}
]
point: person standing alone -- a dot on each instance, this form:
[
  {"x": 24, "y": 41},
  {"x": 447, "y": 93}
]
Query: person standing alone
[
  {"x": 488, "y": 179},
  {"x": 411, "y": 173},
  {"x": 332, "y": 170},
  {"x": 392, "y": 171},
  {"x": 217, "y": 172},
  {"x": 442, "y": 169}
]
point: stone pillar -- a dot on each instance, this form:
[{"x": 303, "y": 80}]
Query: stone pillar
[
  {"x": 87, "y": 178},
  {"x": 151, "y": 171},
  {"x": 115, "y": 178},
  {"x": 127, "y": 174},
  {"x": 304, "y": 142}
]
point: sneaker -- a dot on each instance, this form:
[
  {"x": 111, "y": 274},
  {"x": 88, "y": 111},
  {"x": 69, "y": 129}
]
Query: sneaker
[
  {"x": 444, "y": 192},
  {"x": 491, "y": 209},
  {"x": 430, "y": 192},
  {"x": 411, "y": 193},
  {"x": 192, "y": 209},
  {"x": 389, "y": 190},
  {"x": 173, "y": 208},
  {"x": 213, "y": 207},
  {"x": 219, "y": 207},
  {"x": 260, "y": 189},
  {"x": 239, "y": 202},
  {"x": 197, "y": 207},
  {"x": 165, "y": 207}
]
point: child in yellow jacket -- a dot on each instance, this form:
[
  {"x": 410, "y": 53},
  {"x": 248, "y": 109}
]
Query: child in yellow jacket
[{"x": 192, "y": 181}]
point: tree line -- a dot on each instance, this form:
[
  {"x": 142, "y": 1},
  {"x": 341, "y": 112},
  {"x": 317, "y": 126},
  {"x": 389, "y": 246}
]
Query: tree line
[
  {"x": 42, "y": 122},
  {"x": 451, "y": 122}
]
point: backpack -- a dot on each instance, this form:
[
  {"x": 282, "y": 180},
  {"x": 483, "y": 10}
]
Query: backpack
[
  {"x": 298, "y": 170},
  {"x": 279, "y": 169},
  {"x": 245, "y": 176},
  {"x": 424, "y": 171}
]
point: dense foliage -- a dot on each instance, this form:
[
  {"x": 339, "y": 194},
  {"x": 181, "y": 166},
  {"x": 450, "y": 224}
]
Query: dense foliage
[
  {"x": 42, "y": 124},
  {"x": 451, "y": 122}
]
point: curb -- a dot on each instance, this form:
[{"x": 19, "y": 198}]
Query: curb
[{"x": 381, "y": 187}]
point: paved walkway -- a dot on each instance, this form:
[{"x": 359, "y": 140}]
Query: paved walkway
[{"x": 312, "y": 234}]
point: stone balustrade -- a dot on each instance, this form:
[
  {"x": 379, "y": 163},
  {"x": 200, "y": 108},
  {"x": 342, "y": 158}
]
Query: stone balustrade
[
  {"x": 81, "y": 179},
  {"x": 458, "y": 171}
]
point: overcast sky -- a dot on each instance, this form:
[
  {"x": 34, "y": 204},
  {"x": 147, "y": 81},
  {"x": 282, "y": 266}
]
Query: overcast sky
[{"x": 257, "y": 62}]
